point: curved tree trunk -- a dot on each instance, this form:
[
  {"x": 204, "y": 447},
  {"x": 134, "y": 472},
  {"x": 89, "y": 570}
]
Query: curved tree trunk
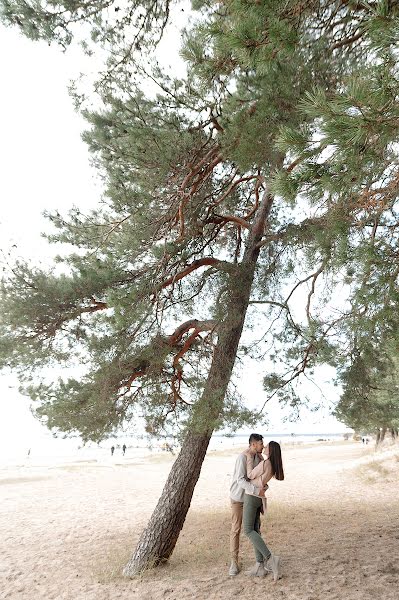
[{"x": 158, "y": 540}]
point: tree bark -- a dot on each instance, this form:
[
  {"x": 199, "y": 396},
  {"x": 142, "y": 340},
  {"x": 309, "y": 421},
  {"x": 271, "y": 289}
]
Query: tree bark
[
  {"x": 158, "y": 540},
  {"x": 377, "y": 437},
  {"x": 383, "y": 433},
  {"x": 380, "y": 436}
]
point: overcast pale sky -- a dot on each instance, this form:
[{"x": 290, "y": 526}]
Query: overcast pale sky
[{"x": 45, "y": 165}]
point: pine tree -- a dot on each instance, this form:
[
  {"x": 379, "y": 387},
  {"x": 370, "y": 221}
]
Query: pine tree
[
  {"x": 269, "y": 169},
  {"x": 370, "y": 399}
]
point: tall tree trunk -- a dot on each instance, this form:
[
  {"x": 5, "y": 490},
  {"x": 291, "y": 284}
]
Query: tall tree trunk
[
  {"x": 158, "y": 540},
  {"x": 383, "y": 433},
  {"x": 380, "y": 436},
  {"x": 377, "y": 437}
]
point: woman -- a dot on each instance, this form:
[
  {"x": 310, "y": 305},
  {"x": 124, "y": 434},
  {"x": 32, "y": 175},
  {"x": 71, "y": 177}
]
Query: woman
[{"x": 272, "y": 466}]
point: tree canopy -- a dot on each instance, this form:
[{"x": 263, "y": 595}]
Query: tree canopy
[
  {"x": 294, "y": 99},
  {"x": 370, "y": 400}
]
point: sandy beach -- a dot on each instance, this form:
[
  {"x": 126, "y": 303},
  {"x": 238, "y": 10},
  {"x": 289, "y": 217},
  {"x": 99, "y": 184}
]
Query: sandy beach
[{"x": 67, "y": 530}]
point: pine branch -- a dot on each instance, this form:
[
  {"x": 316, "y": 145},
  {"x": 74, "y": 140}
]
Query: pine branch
[{"x": 201, "y": 262}]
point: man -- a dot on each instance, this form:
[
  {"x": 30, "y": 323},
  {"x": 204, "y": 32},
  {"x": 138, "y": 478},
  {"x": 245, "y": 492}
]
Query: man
[{"x": 239, "y": 485}]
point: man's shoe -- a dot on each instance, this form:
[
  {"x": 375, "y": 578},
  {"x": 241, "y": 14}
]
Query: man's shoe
[
  {"x": 274, "y": 564},
  {"x": 234, "y": 568},
  {"x": 258, "y": 570}
]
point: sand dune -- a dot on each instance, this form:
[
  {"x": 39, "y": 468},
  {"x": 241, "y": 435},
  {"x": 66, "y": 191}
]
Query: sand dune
[{"x": 66, "y": 531}]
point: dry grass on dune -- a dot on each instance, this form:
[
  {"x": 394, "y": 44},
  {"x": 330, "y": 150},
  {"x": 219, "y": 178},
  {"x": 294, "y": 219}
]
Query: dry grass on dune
[
  {"x": 201, "y": 545},
  {"x": 380, "y": 468},
  {"x": 328, "y": 553}
]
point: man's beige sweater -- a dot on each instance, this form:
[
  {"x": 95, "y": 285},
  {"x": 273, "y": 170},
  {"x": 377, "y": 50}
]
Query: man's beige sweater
[{"x": 240, "y": 483}]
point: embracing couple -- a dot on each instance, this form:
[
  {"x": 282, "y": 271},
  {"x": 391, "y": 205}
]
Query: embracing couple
[{"x": 247, "y": 495}]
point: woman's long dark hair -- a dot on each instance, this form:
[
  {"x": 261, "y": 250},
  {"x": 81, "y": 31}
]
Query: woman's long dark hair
[{"x": 276, "y": 460}]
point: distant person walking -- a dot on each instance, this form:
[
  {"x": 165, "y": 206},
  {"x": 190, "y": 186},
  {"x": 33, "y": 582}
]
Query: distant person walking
[
  {"x": 259, "y": 475},
  {"x": 123, "y": 449},
  {"x": 112, "y": 450},
  {"x": 239, "y": 485}
]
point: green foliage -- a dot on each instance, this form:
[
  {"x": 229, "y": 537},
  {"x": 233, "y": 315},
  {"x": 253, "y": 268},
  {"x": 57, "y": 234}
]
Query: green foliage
[
  {"x": 296, "y": 99},
  {"x": 38, "y": 304},
  {"x": 370, "y": 398},
  {"x": 109, "y": 21}
]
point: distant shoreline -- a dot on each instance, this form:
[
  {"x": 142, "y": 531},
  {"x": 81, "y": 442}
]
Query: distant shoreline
[
  {"x": 270, "y": 434},
  {"x": 70, "y": 451}
]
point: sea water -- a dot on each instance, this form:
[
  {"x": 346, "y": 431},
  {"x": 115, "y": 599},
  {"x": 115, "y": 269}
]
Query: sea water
[{"x": 47, "y": 450}]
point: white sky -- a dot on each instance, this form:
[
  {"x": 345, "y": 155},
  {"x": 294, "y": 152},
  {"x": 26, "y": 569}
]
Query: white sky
[{"x": 45, "y": 165}]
